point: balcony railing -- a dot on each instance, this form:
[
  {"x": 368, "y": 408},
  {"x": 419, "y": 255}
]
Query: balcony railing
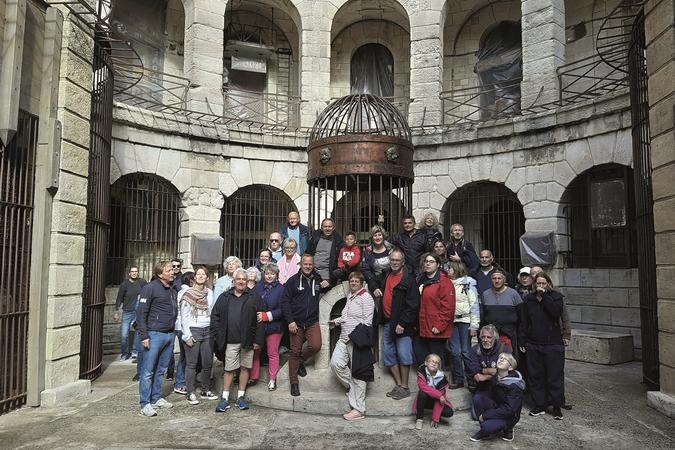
[
  {"x": 263, "y": 108},
  {"x": 589, "y": 78},
  {"x": 480, "y": 103},
  {"x": 157, "y": 91}
]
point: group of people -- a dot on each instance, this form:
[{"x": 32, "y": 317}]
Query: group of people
[{"x": 429, "y": 294}]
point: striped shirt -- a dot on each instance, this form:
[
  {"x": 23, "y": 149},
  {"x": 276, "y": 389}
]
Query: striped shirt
[{"x": 358, "y": 309}]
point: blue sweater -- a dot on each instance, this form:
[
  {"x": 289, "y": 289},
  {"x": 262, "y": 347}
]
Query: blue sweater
[
  {"x": 300, "y": 300},
  {"x": 271, "y": 302}
]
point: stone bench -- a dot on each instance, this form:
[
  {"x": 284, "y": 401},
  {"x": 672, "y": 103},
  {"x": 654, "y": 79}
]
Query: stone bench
[{"x": 600, "y": 347}]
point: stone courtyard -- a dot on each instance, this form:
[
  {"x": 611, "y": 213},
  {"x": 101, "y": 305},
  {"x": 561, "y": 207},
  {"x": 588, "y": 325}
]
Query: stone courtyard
[{"x": 609, "y": 410}]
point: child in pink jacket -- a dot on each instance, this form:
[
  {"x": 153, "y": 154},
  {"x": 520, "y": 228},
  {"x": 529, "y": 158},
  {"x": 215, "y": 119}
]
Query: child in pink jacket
[{"x": 432, "y": 386}]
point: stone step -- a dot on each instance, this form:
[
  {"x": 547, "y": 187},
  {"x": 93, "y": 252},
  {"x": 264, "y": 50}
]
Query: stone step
[{"x": 600, "y": 347}]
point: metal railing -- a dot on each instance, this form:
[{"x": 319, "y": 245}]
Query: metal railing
[
  {"x": 157, "y": 91},
  {"x": 271, "y": 109},
  {"x": 589, "y": 78},
  {"x": 479, "y": 103}
]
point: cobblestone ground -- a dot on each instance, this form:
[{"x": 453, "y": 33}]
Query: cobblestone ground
[{"x": 609, "y": 411}]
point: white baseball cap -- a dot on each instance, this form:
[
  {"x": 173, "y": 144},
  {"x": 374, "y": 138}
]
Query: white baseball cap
[{"x": 525, "y": 270}]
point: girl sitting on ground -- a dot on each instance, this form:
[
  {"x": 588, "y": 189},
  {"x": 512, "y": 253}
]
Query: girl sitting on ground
[{"x": 432, "y": 386}]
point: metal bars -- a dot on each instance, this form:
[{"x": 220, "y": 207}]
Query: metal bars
[
  {"x": 17, "y": 185},
  {"x": 644, "y": 204},
  {"x": 493, "y": 219},
  {"x": 248, "y": 218},
  {"x": 98, "y": 209},
  {"x": 357, "y": 202},
  {"x": 144, "y": 225}
]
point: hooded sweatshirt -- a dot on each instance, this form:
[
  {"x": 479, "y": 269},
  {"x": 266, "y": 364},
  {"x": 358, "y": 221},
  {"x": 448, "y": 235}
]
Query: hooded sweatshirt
[
  {"x": 507, "y": 393},
  {"x": 300, "y": 300}
]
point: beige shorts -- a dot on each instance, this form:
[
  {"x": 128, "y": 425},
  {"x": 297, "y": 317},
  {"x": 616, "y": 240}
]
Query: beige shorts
[{"x": 236, "y": 357}]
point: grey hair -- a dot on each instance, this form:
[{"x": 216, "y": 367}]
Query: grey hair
[
  {"x": 491, "y": 329},
  {"x": 271, "y": 267},
  {"x": 289, "y": 240},
  {"x": 378, "y": 229},
  {"x": 254, "y": 270},
  {"x": 238, "y": 271},
  {"x": 232, "y": 259}
]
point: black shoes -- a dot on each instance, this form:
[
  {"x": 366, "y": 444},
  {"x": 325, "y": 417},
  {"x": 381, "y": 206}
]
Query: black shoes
[
  {"x": 479, "y": 436},
  {"x": 295, "y": 390},
  {"x": 135, "y": 378},
  {"x": 302, "y": 372},
  {"x": 508, "y": 435},
  {"x": 557, "y": 414},
  {"x": 536, "y": 411}
]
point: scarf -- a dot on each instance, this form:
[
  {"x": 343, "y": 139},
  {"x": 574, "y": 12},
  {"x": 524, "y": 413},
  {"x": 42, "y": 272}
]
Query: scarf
[{"x": 198, "y": 300}]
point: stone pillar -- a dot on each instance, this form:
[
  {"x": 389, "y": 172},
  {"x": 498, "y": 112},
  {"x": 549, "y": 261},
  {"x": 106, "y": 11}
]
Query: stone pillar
[
  {"x": 200, "y": 213},
  {"x": 660, "y": 39},
  {"x": 314, "y": 59},
  {"x": 543, "y": 32},
  {"x": 203, "y": 61},
  {"x": 68, "y": 225},
  {"x": 426, "y": 66}
]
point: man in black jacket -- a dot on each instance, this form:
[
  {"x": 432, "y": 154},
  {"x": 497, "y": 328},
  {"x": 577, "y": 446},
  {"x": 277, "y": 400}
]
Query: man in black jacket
[
  {"x": 125, "y": 308},
  {"x": 300, "y": 305},
  {"x": 234, "y": 323},
  {"x": 325, "y": 246},
  {"x": 412, "y": 242},
  {"x": 400, "y": 308},
  {"x": 155, "y": 320}
]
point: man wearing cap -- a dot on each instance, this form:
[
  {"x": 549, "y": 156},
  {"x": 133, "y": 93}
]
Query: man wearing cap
[{"x": 524, "y": 285}]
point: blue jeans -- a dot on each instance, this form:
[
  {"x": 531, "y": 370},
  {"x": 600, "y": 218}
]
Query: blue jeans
[
  {"x": 460, "y": 347},
  {"x": 154, "y": 362},
  {"x": 398, "y": 350},
  {"x": 127, "y": 318}
]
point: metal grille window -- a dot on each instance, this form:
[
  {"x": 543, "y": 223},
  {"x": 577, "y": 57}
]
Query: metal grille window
[
  {"x": 492, "y": 218},
  {"x": 143, "y": 223},
  {"x": 248, "y": 218},
  {"x": 98, "y": 209},
  {"x": 17, "y": 178},
  {"x": 601, "y": 218}
]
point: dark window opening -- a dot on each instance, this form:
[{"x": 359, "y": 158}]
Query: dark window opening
[
  {"x": 372, "y": 71},
  {"x": 601, "y": 218}
]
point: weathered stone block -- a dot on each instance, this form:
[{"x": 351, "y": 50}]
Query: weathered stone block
[
  {"x": 240, "y": 170},
  {"x": 72, "y": 189},
  {"x": 626, "y": 317},
  {"x": 663, "y": 149},
  {"x": 68, "y": 218},
  {"x": 62, "y": 342},
  {"x": 667, "y": 378},
  {"x": 662, "y": 401},
  {"x": 596, "y": 315},
  {"x": 600, "y": 347},
  {"x": 666, "y": 313},
  {"x": 168, "y": 163},
  {"x": 76, "y": 69},
  {"x": 661, "y": 117},
  {"x": 64, "y": 394},
  {"x": 578, "y": 296},
  {"x": 66, "y": 248},
  {"x": 595, "y": 277},
  {"x": 664, "y": 215},
  {"x": 75, "y": 129},
  {"x": 64, "y": 311},
  {"x": 75, "y": 98},
  {"x": 74, "y": 159}
]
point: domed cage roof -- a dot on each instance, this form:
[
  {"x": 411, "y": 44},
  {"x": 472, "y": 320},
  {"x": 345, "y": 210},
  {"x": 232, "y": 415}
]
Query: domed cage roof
[{"x": 360, "y": 114}]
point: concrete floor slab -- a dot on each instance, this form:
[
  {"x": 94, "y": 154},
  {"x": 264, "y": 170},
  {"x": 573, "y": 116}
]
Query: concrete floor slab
[{"x": 609, "y": 411}]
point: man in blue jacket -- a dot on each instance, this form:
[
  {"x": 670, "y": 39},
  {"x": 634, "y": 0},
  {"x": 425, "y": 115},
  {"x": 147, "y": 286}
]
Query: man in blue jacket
[
  {"x": 155, "y": 320},
  {"x": 300, "y": 305},
  {"x": 294, "y": 229}
]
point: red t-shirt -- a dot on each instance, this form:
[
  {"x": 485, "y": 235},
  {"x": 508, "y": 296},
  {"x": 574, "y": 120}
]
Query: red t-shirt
[
  {"x": 349, "y": 257},
  {"x": 388, "y": 296}
]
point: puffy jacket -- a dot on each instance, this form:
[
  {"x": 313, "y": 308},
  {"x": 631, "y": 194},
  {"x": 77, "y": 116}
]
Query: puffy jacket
[
  {"x": 300, "y": 300},
  {"x": 437, "y": 306},
  {"x": 466, "y": 302},
  {"x": 271, "y": 302},
  {"x": 157, "y": 310}
]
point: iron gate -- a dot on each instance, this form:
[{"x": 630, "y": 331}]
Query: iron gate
[
  {"x": 492, "y": 218},
  {"x": 248, "y": 217},
  {"x": 644, "y": 204},
  {"x": 17, "y": 178},
  {"x": 98, "y": 208}
]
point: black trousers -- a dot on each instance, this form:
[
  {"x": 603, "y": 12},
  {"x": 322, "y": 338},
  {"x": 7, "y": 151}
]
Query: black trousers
[
  {"x": 424, "y": 401},
  {"x": 546, "y": 376},
  {"x": 424, "y": 346}
]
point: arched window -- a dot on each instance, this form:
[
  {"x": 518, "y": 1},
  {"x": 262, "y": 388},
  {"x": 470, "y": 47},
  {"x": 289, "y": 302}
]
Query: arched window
[
  {"x": 143, "y": 224},
  {"x": 500, "y": 70},
  {"x": 493, "y": 219},
  {"x": 372, "y": 71},
  {"x": 599, "y": 208},
  {"x": 248, "y": 217}
]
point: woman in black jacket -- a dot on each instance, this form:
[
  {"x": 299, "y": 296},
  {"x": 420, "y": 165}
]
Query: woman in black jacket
[{"x": 541, "y": 337}]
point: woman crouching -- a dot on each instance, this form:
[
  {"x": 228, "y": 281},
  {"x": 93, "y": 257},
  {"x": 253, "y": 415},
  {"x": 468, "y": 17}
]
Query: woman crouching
[{"x": 432, "y": 386}]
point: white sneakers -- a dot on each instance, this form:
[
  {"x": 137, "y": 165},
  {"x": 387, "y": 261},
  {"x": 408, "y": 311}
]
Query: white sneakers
[
  {"x": 192, "y": 399},
  {"x": 148, "y": 411},
  {"x": 272, "y": 385},
  {"x": 162, "y": 404}
]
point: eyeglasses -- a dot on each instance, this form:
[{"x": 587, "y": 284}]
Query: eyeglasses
[
  {"x": 274, "y": 240},
  {"x": 430, "y": 261},
  {"x": 175, "y": 266}
]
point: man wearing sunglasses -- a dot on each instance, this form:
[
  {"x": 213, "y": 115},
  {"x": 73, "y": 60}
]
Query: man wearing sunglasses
[{"x": 275, "y": 247}]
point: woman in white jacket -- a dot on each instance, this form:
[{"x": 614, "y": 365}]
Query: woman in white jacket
[
  {"x": 467, "y": 320},
  {"x": 196, "y": 303}
]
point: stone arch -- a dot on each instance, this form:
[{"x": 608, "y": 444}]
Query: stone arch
[
  {"x": 248, "y": 217},
  {"x": 596, "y": 213},
  {"x": 492, "y": 216},
  {"x": 144, "y": 223}
]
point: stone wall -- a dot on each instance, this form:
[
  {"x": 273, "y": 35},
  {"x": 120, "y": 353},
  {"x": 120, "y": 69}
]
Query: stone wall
[
  {"x": 660, "y": 38},
  {"x": 603, "y": 299},
  {"x": 392, "y": 36}
]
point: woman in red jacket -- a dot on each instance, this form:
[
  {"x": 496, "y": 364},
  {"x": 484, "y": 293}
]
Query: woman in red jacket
[{"x": 437, "y": 309}]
